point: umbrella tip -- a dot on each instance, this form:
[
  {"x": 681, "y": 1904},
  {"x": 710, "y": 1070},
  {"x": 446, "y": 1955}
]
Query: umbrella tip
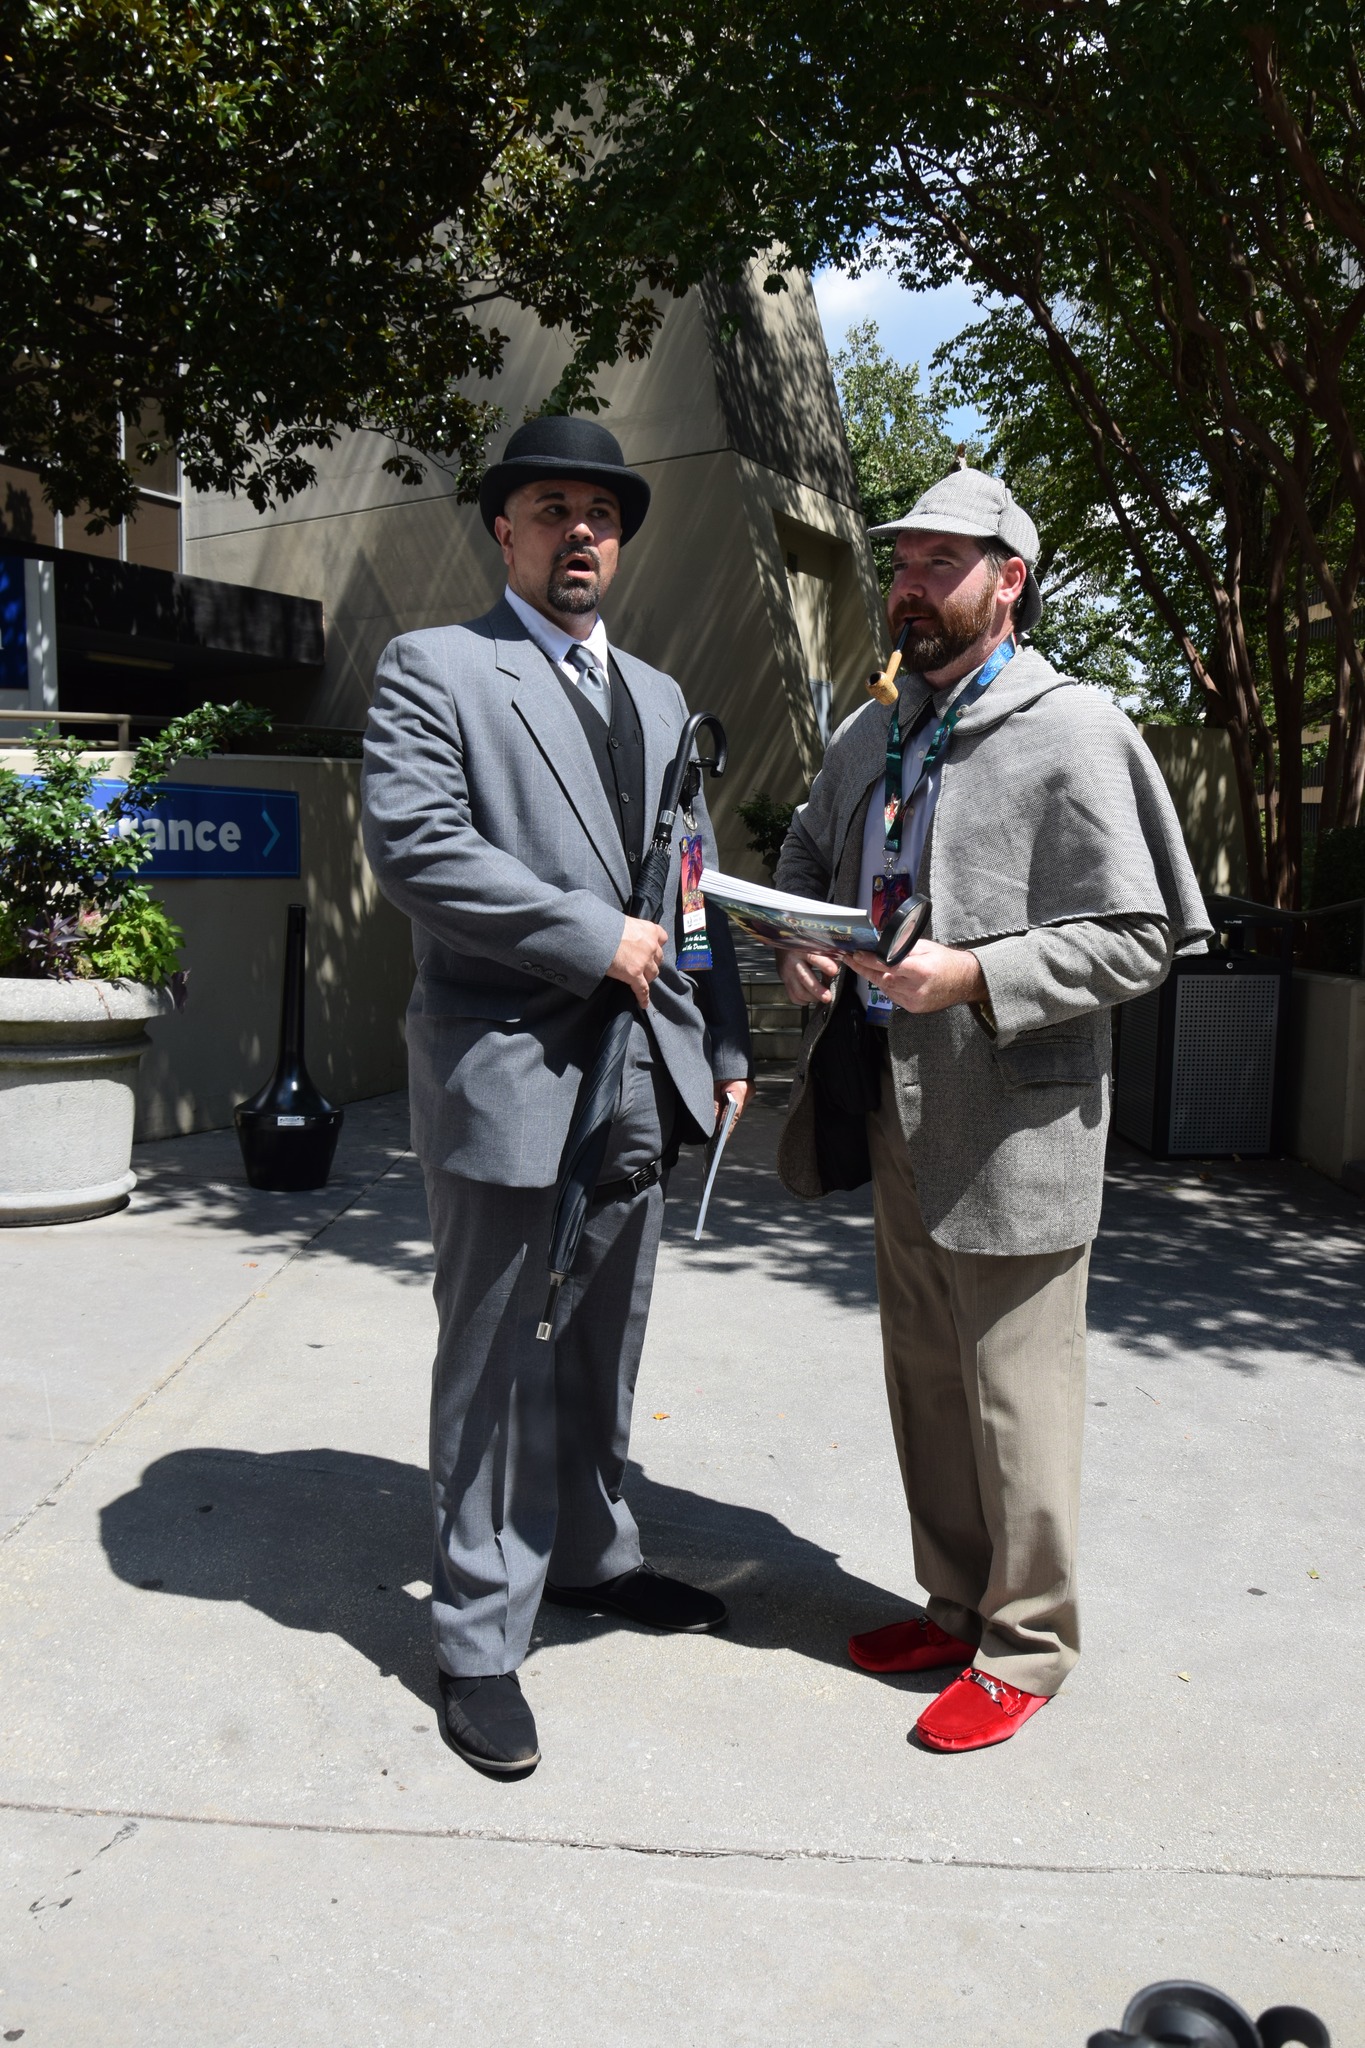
[{"x": 545, "y": 1327}]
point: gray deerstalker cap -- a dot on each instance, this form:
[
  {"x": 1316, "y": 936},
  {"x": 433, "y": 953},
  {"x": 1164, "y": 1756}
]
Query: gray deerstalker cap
[{"x": 968, "y": 501}]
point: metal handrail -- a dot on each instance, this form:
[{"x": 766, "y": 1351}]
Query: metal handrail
[
  {"x": 1234, "y": 913},
  {"x": 1265, "y": 913},
  {"x": 122, "y": 721}
]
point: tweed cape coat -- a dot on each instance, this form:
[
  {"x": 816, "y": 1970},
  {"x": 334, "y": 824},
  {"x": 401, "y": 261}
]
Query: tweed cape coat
[{"x": 1051, "y": 814}]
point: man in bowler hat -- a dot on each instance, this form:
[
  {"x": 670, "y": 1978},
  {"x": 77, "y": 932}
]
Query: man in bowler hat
[{"x": 513, "y": 767}]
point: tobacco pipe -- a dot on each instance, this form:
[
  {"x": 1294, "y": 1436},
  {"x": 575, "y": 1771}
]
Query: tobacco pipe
[{"x": 883, "y": 687}]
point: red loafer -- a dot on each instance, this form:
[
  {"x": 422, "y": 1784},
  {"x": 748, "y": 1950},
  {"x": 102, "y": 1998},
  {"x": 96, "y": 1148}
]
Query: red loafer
[
  {"x": 908, "y": 1646},
  {"x": 974, "y": 1711}
]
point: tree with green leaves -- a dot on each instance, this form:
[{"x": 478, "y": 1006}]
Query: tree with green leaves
[
  {"x": 1170, "y": 200},
  {"x": 899, "y": 441},
  {"x": 897, "y": 433},
  {"x": 234, "y": 229}
]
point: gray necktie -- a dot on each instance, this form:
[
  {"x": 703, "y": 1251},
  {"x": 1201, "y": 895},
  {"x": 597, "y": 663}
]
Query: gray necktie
[{"x": 591, "y": 681}]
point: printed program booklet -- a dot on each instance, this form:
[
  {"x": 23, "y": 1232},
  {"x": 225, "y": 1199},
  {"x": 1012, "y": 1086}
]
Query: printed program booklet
[{"x": 781, "y": 920}]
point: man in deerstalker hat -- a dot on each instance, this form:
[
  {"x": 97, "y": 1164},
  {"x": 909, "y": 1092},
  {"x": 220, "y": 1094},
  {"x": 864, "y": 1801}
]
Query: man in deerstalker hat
[
  {"x": 513, "y": 767},
  {"x": 970, "y": 1081}
]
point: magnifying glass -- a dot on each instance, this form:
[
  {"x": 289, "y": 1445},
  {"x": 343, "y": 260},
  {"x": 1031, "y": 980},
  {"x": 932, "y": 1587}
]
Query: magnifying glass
[{"x": 903, "y": 928}]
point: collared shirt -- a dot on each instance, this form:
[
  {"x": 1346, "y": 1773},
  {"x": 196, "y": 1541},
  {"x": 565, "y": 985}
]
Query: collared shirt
[
  {"x": 555, "y": 642},
  {"x": 919, "y": 817}
]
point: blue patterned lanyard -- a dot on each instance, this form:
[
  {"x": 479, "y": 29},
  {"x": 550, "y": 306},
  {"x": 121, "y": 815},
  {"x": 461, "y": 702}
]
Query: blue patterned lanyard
[{"x": 897, "y": 806}]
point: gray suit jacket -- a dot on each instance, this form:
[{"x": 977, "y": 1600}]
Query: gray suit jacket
[
  {"x": 485, "y": 821},
  {"x": 1055, "y": 855}
]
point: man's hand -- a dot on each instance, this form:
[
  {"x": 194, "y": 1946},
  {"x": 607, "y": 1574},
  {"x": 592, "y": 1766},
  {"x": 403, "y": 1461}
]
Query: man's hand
[
  {"x": 930, "y": 977},
  {"x": 742, "y": 1092},
  {"x": 806, "y": 976},
  {"x": 639, "y": 957}
]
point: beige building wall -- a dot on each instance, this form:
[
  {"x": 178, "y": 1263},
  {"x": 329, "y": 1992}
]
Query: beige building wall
[
  {"x": 750, "y": 575},
  {"x": 1196, "y": 762}
]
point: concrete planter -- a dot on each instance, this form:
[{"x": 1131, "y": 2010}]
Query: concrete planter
[{"x": 69, "y": 1053}]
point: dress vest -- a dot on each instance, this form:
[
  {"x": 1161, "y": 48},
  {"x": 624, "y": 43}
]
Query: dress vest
[{"x": 618, "y": 750}]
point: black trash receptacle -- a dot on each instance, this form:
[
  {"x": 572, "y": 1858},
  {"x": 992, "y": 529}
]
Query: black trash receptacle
[
  {"x": 1200, "y": 1070},
  {"x": 288, "y": 1130}
]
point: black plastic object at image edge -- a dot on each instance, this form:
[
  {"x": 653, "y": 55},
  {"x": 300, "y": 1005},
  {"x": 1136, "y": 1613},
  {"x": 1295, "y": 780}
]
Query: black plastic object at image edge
[
  {"x": 1180, "y": 2011},
  {"x": 288, "y": 1130}
]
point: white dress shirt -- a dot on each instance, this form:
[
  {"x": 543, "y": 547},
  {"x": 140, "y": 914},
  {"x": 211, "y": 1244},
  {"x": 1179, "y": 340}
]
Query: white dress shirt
[
  {"x": 555, "y": 642},
  {"x": 917, "y": 820}
]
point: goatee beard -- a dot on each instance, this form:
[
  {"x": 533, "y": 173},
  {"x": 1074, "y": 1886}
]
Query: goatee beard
[
  {"x": 934, "y": 643},
  {"x": 574, "y": 598}
]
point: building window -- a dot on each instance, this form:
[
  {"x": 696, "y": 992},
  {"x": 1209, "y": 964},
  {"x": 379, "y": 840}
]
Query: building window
[
  {"x": 24, "y": 512},
  {"x": 152, "y": 536},
  {"x": 811, "y": 569}
]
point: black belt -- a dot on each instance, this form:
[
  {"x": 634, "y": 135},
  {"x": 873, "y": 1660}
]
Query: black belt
[{"x": 626, "y": 1190}]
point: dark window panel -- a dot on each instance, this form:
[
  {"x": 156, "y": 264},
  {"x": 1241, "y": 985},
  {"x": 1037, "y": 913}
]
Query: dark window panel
[
  {"x": 24, "y": 512},
  {"x": 153, "y": 536}
]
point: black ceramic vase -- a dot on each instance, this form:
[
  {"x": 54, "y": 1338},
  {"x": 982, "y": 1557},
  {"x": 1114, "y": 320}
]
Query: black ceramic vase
[{"x": 288, "y": 1131}]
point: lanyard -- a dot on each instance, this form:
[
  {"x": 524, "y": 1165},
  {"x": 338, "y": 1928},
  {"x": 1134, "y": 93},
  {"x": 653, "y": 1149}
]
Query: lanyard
[{"x": 897, "y": 805}]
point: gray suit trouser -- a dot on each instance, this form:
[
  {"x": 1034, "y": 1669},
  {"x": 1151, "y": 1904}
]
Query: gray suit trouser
[{"x": 529, "y": 1439}]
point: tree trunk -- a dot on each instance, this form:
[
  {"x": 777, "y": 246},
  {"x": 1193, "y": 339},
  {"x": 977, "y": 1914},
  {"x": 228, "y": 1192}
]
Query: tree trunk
[
  {"x": 1353, "y": 780},
  {"x": 1248, "y": 798}
]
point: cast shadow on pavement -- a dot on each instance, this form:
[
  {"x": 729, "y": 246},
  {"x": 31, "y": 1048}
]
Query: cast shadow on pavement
[
  {"x": 373, "y": 1210},
  {"x": 1236, "y": 1262},
  {"x": 757, "y": 1229},
  {"x": 328, "y": 1541}
]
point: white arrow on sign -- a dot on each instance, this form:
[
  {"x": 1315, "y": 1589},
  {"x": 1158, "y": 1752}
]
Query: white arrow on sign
[{"x": 274, "y": 834}]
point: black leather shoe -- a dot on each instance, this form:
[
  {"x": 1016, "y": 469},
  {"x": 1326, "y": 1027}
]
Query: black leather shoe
[
  {"x": 648, "y": 1597},
  {"x": 488, "y": 1723}
]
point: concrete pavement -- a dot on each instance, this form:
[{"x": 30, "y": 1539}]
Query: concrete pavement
[
  {"x": 226, "y": 1815},
  {"x": 97, "y": 1313}
]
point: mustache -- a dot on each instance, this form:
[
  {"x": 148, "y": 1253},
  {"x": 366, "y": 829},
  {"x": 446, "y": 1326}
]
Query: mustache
[
  {"x": 585, "y": 552},
  {"x": 912, "y": 615}
]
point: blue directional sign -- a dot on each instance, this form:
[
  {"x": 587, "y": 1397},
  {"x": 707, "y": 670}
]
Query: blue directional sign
[
  {"x": 240, "y": 834},
  {"x": 13, "y": 625}
]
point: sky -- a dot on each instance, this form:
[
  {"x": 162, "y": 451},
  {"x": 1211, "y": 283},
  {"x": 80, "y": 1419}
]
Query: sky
[{"x": 911, "y": 325}]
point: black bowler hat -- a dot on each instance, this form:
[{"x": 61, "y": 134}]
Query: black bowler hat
[{"x": 573, "y": 449}]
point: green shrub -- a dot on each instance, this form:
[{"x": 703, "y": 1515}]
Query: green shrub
[
  {"x": 1334, "y": 943},
  {"x": 70, "y": 904},
  {"x": 769, "y": 822},
  {"x": 1339, "y": 866}
]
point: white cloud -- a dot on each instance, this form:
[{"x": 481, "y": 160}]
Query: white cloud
[
  {"x": 845, "y": 300},
  {"x": 910, "y": 325}
]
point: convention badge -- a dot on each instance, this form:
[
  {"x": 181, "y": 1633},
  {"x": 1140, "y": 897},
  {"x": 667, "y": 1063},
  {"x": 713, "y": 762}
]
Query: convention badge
[
  {"x": 696, "y": 946},
  {"x": 888, "y": 894}
]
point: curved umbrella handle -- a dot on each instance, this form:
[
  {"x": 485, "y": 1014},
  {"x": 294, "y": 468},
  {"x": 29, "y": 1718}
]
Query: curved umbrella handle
[{"x": 682, "y": 761}]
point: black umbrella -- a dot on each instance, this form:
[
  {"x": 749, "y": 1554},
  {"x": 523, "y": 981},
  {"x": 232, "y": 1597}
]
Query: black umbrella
[{"x": 586, "y": 1145}]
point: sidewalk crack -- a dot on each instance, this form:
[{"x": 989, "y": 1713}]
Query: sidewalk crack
[{"x": 677, "y": 1851}]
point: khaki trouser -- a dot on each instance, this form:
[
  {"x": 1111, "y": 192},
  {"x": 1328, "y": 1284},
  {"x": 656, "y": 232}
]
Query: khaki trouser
[{"x": 985, "y": 1375}]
